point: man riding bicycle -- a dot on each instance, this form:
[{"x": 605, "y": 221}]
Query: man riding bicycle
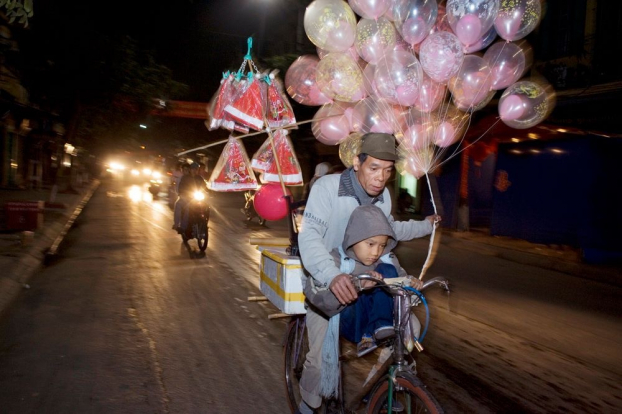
[{"x": 332, "y": 200}]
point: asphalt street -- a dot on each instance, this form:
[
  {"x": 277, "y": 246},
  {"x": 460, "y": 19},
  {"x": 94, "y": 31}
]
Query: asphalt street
[{"x": 124, "y": 321}]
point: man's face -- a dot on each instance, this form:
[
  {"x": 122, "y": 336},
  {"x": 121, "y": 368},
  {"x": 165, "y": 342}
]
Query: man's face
[
  {"x": 369, "y": 250},
  {"x": 185, "y": 170},
  {"x": 373, "y": 174},
  {"x": 194, "y": 171}
]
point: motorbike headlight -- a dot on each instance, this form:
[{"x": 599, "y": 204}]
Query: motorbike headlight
[
  {"x": 135, "y": 172},
  {"x": 157, "y": 175},
  {"x": 198, "y": 195}
]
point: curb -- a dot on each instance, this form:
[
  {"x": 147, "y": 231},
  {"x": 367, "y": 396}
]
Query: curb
[
  {"x": 30, "y": 261},
  {"x": 53, "y": 250}
]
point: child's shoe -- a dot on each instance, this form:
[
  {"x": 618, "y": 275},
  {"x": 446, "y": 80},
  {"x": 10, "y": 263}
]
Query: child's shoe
[
  {"x": 384, "y": 333},
  {"x": 366, "y": 345}
]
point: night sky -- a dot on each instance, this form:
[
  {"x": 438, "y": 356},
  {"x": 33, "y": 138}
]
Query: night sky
[{"x": 197, "y": 39}]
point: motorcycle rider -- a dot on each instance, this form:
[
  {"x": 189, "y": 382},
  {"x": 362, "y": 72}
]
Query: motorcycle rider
[{"x": 189, "y": 183}]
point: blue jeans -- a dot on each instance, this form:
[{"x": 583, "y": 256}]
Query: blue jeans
[{"x": 372, "y": 310}]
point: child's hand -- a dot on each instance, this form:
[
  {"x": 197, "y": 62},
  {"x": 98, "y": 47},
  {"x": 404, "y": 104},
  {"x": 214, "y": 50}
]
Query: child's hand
[
  {"x": 370, "y": 283},
  {"x": 415, "y": 283}
]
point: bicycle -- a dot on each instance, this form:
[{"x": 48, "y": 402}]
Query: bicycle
[
  {"x": 395, "y": 387},
  {"x": 249, "y": 209}
]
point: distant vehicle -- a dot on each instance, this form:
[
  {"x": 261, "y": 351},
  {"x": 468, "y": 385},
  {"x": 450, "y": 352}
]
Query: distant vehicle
[{"x": 198, "y": 218}]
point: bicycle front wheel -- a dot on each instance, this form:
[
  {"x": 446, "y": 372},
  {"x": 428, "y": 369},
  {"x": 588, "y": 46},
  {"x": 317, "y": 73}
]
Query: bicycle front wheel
[
  {"x": 409, "y": 396},
  {"x": 202, "y": 235}
]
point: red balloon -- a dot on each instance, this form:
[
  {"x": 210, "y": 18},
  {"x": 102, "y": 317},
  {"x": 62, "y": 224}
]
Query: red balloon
[{"x": 270, "y": 203}]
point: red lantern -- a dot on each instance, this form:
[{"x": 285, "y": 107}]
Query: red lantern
[{"x": 270, "y": 202}]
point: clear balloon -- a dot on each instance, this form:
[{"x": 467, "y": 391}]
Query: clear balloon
[
  {"x": 526, "y": 103},
  {"x": 431, "y": 94},
  {"x": 350, "y": 148},
  {"x": 467, "y": 106},
  {"x": 483, "y": 42},
  {"x": 517, "y": 18},
  {"x": 450, "y": 127},
  {"x": 397, "y": 78},
  {"x": 416, "y": 163},
  {"x": 374, "y": 38},
  {"x": 330, "y": 25},
  {"x": 330, "y": 124},
  {"x": 300, "y": 81},
  {"x": 508, "y": 63},
  {"x": 414, "y": 19},
  {"x": 471, "y": 19},
  {"x": 471, "y": 85},
  {"x": 441, "y": 56},
  {"x": 441, "y": 25},
  {"x": 370, "y": 9},
  {"x": 368, "y": 80},
  {"x": 418, "y": 131},
  {"x": 351, "y": 51},
  {"x": 339, "y": 77},
  {"x": 374, "y": 115}
]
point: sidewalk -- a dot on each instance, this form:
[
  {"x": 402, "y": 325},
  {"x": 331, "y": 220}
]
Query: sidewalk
[
  {"x": 21, "y": 253},
  {"x": 563, "y": 259}
]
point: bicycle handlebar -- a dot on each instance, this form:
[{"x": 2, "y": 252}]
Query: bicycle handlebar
[{"x": 444, "y": 283}]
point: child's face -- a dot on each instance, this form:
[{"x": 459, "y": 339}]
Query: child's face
[{"x": 370, "y": 250}]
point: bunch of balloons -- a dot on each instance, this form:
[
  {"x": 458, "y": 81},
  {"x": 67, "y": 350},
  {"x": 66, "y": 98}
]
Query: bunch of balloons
[{"x": 417, "y": 70}]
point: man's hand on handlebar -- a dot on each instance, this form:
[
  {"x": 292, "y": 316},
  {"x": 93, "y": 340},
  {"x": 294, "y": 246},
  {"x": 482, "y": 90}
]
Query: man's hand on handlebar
[{"x": 343, "y": 288}]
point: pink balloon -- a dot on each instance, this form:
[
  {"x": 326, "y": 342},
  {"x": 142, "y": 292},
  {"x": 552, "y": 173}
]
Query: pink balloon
[
  {"x": 469, "y": 29},
  {"x": 301, "y": 83},
  {"x": 370, "y": 9},
  {"x": 335, "y": 129},
  {"x": 348, "y": 115},
  {"x": 445, "y": 134},
  {"x": 316, "y": 97},
  {"x": 382, "y": 126},
  {"x": 507, "y": 25},
  {"x": 430, "y": 96},
  {"x": 269, "y": 202},
  {"x": 406, "y": 95},
  {"x": 331, "y": 124},
  {"x": 483, "y": 42},
  {"x": 511, "y": 108},
  {"x": 413, "y": 166},
  {"x": 415, "y": 137}
]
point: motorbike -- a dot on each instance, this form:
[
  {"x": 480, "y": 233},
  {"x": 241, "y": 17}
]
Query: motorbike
[
  {"x": 249, "y": 209},
  {"x": 155, "y": 183},
  {"x": 198, "y": 218}
]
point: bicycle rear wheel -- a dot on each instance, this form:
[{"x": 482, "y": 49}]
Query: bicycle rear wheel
[
  {"x": 294, "y": 355},
  {"x": 409, "y": 396}
]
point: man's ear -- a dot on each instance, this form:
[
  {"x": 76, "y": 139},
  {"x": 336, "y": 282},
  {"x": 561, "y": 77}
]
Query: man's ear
[{"x": 356, "y": 164}]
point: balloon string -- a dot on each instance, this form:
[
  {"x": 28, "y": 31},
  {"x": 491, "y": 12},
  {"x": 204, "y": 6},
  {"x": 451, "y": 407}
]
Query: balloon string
[{"x": 430, "y": 258}]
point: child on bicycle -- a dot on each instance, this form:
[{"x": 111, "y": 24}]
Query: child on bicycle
[{"x": 367, "y": 247}]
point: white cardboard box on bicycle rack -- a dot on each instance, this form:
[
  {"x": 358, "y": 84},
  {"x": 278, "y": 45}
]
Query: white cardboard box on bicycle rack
[{"x": 280, "y": 280}]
